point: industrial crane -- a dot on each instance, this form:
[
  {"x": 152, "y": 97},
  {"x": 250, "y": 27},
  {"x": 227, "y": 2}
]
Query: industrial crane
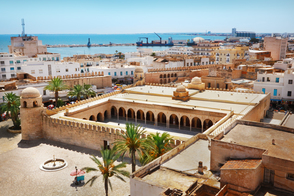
[{"x": 159, "y": 37}]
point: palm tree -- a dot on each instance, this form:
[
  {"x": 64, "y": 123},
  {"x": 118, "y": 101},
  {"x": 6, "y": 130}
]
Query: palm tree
[
  {"x": 11, "y": 103},
  {"x": 107, "y": 168},
  {"x": 76, "y": 91},
  {"x": 88, "y": 90},
  {"x": 132, "y": 142},
  {"x": 160, "y": 144},
  {"x": 56, "y": 84}
]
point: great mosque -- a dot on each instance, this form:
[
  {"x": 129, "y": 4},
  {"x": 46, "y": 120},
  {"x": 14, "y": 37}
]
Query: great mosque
[{"x": 193, "y": 109}]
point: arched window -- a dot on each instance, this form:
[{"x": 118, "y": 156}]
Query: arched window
[{"x": 25, "y": 104}]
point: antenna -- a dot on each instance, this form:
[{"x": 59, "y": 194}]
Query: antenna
[{"x": 23, "y": 24}]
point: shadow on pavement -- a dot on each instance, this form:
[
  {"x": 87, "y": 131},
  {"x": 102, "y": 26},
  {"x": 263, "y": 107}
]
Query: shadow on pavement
[
  {"x": 34, "y": 143},
  {"x": 4, "y": 125}
]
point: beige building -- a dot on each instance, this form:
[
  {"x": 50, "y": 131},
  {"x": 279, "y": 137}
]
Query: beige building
[
  {"x": 227, "y": 55},
  {"x": 277, "y": 46},
  {"x": 27, "y": 46}
]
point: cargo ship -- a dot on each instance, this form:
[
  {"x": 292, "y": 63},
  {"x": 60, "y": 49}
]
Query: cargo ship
[{"x": 140, "y": 42}]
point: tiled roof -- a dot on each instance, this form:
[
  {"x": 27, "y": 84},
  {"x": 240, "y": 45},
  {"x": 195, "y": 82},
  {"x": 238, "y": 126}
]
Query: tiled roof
[{"x": 242, "y": 164}]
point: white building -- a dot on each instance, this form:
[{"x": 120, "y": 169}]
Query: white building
[
  {"x": 115, "y": 71},
  {"x": 279, "y": 85},
  {"x": 10, "y": 64},
  {"x": 47, "y": 68},
  {"x": 180, "y": 50}
]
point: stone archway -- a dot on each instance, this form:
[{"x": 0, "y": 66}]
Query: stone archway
[
  {"x": 99, "y": 117},
  {"x": 173, "y": 121},
  {"x": 131, "y": 115},
  {"x": 150, "y": 118},
  {"x": 140, "y": 115},
  {"x": 114, "y": 112},
  {"x": 196, "y": 124},
  {"x": 184, "y": 121},
  {"x": 92, "y": 118},
  {"x": 207, "y": 124},
  {"x": 122, "y": 113},
  {"x": 161, "y": 119}
]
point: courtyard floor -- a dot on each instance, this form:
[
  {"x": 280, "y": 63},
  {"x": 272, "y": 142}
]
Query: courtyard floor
[{"x": 20, "y": 173}]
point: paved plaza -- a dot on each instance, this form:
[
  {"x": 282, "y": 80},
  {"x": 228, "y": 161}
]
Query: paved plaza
[{"x": 20, "y": 173}]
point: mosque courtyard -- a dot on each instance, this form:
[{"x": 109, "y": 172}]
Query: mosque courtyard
[{"x": 20, "y": 173}]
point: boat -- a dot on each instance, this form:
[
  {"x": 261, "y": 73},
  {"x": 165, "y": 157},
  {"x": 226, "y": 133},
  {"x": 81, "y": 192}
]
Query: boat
[{"x": 153, "y": 43}]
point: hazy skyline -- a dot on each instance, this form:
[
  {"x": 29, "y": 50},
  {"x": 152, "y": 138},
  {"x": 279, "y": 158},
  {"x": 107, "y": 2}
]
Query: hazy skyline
[{"x": 119, "y": 17}]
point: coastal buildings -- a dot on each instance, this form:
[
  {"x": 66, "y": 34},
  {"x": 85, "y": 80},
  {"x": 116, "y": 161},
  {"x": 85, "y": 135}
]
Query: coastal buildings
[
  {"x": 277, "y": 46},
  {"x": 249, "y": 34}
]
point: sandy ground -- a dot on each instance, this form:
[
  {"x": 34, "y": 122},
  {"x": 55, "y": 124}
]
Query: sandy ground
[{"x": 20, "y": 173}]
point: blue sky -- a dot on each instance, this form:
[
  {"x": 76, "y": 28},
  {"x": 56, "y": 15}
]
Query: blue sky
[{"x": 140, "y": 16}]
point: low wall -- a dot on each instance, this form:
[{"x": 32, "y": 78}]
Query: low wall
[{"x": 82, "y": 134}]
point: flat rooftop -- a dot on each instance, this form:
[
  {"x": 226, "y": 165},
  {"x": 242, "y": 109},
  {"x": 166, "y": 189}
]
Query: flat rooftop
[
  {"x": 261, "y": 137},
  {"x": 181, "y": 171}
]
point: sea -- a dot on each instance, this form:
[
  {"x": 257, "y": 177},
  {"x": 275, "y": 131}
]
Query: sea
[{"x": 56, "y": 39}]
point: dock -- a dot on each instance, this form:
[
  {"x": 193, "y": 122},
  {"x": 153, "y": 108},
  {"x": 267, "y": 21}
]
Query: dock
[{"x": 85, "y": 45}]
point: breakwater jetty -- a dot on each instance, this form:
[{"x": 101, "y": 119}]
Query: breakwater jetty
[{"x": 85, "y": 45}]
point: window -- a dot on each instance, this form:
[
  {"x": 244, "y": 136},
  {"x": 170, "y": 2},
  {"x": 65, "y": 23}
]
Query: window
[
  {"x": 11, "y": 68},
  {"x": 126, "y": 73},
  {"x": 53, "y": 58},
  {"x": 289, "y": 93},
  {"x": 57, "y": 70},
  {"x": 44, "y": 92},
  {"x": 2, "y": 62},
  {"x": 275, "y": 92},
  {"x": 44, "y": 59},
  {"x": 18, "y": 68},
  {"x": 57, "y": 58},
  {"x": 4, "y": 76},
  {"x": 40, "y": 71},
  {"x": 290, "y": 176},
  {"x": 268, "y": 79},
  {"x": 217, "y": 85},
  {"x": 263, "y": 90},
  {"x": 32, "y": 71},
  {"x": 67, "y": 70},
  {"x": 209, "y": 85},
  {"x": 290, "y": 82},
  {"x": 131, "y": 72},
  {"x": 263, "y": 79},
  {"x": 115, "y": 73},
  {"x": 11, "y": 62},
  {"x": 121, "y": 73},
  {"x": 18, "y": 61},
  {"x": 24, "y": 60},
  {"x": 12, "y": 75},
  {"x": 2, "y": 69},
  {"x": 277, "y": 80}
]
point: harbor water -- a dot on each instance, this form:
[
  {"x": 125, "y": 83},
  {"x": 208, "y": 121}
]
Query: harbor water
[{"x": 68, "y": 39}]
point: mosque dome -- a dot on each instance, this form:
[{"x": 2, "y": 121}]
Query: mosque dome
[
  {"x": 198, "y": 39},
  {"x": 196, "y": 80},
  {"x": 30, "y": 92},
  {"x": 180, "y": 89},
  {"x": 138, "y": 70}
]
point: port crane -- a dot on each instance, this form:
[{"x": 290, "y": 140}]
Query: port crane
[{"x": 159, "y": 37}]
